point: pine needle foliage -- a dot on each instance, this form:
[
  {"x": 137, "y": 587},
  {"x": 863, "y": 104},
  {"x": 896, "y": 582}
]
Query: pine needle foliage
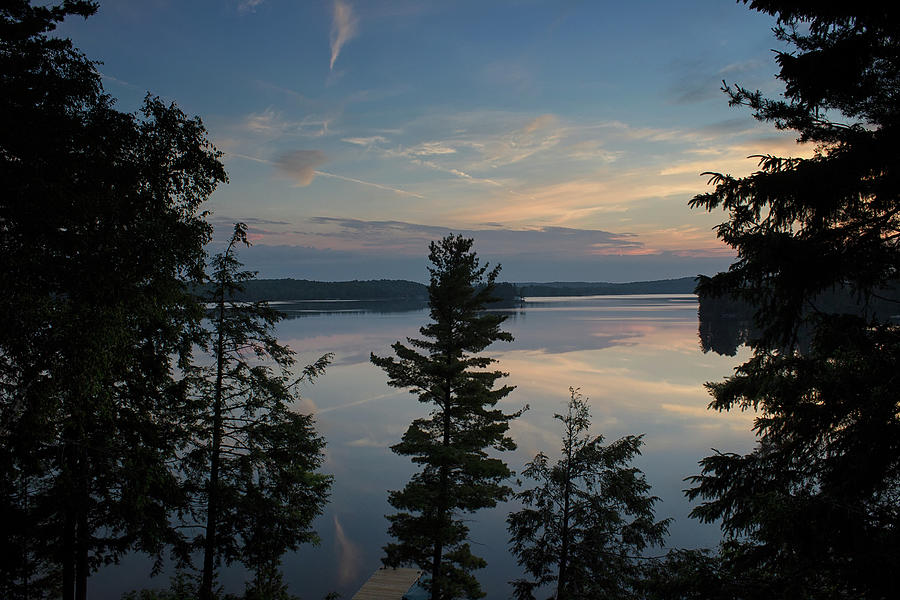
[
  {"x": 253, "y": 466},
  {"x": 589, "y": 517},
  {"x": 101, "y": 228},
  {"x": 814, "y": 510},
  {"x": 457, "y": 474}
]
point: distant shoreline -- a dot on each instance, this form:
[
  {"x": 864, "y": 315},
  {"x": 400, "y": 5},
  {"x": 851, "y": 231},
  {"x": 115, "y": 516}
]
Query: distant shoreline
[{"x": 303, "y": 290}]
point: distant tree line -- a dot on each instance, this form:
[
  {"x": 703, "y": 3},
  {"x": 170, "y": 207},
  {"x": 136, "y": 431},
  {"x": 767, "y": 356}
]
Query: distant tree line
[
  {"x": 288, "y": 290},
  {"x": 388, "y": 290},
  {"x": 683, "y": 285},
  {"x": 303, "y": 289}
]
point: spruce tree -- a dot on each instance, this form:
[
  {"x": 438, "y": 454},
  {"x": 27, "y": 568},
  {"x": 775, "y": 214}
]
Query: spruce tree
[
  {"x": 451, "y": 445},
  {"x": 253, "y": 467},
  {"x": 589, "y": 516},
  {"x": 813, "y": 510}
]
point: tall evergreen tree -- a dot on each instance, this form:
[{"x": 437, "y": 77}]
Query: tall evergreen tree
[
  {"x": 451, "y": 445},
  {"x": 815, "y": 507},
  {"x": 257, "y": 459},
  {"x": 99, "y": 229},
  {"x": 587, "y": 519}
]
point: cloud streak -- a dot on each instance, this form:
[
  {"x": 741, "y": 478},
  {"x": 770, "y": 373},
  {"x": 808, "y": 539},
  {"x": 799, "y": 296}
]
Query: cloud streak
[
  {"x": 344, "y": 26},
  {"x": 365, "y": 141},
  {"x": 370, "y": 184},
  {"x": 297, "y": 165},
  {"x": 496, "y": 241},
  {"x": 271, "y": 124},
  {"x": 539, "y": 122},
  {"x": 249, "y": 5}
]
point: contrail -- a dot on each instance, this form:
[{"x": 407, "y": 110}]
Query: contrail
[
  {"x": 245, "y": 157},
  {"x": 369, "y": 183},
  {"x": 343, "y": 28},
  {"x": 333, "y": 176}
]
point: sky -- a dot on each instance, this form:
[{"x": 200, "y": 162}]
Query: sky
[{"x": 566, "y": 137}]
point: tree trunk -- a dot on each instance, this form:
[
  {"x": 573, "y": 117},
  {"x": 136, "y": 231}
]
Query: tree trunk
[
  {"x": 562, "y": 578},
  {"x": 212, "y": 499},
  {"x": 26, "y": 551},
  {"x": 82, "y": 527},
  {"x": 72, "y": 502},
  {"x": 68, "y": 561},
  {"x": 436, "y": 592},
  {"x": 212, "y": 513},
  {"x": 81, "y": 548},
  {"x": 436, "y": 569}
]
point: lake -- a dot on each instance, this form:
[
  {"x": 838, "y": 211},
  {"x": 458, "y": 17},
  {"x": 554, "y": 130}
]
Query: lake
[{"x": 637, "y": 358}]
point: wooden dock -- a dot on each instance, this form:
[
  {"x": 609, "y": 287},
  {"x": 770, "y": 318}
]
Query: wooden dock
[{"x": 387, "y": 584}]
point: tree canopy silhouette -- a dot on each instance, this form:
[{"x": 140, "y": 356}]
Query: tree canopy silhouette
[
  {"x": 100, "y": 228},
  {"x": 257, "y": 459},
  {"x": 814, "y": 506},
  {"x": 457, "y": 475},
  {"x": 587, "y": 518}
]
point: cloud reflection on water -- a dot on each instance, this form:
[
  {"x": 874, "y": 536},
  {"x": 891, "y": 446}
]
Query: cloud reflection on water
[{"x": 637, "y": 358}]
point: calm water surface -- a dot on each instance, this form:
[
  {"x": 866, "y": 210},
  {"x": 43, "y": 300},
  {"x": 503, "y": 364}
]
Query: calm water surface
[{"x": 637, "y": 358}]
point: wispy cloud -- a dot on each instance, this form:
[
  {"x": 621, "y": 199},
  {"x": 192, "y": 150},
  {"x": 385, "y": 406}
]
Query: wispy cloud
[
  {"x": 593, "y": 150},
  {"x": 267, "y": 85},
  {"x": 300, "y": 165},
  {"x": 493, "y": 240},
  {"x": 455, "y": 172},
  {"x": 699, "y": 80},
  {"x": 272, "y": 123},
  {"x": 344, "y": 26},
  {"x": 365, "y": 141},
  {"x": 744, "y": 66},
  {"x": 430, "y": 149},
  {"x": 228, "y": 221},
  {"x": 249, "y": 5},
  {"x": 477, "y": 144},
  {"x": 539, "y": 122},
  {"x": 737, "y": 158},
  {"x": 264, "y": 122}
]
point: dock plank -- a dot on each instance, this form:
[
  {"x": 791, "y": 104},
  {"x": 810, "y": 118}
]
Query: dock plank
[{"x": 387, "y": 584}]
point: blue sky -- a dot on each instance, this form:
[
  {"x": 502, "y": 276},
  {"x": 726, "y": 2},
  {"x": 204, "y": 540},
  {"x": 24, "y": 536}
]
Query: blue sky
[{"x": 566, "y": 137}]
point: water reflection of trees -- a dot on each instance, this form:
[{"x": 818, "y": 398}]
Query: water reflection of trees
[
  {"x": 306, "y": 308},
  {"x": 297, "y": 310},
  {"x": 725, "y": 324}
]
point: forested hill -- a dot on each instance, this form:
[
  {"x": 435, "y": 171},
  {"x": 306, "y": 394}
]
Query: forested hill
[
  {"x": 684, "y": 285},
  {"x": 304, "y": 289},
  {"x": 399, "y": 289}
]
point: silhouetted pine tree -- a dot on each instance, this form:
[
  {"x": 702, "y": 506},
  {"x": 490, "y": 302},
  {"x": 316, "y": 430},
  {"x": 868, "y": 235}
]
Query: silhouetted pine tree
[
  {"x": 587, "y": 519},
  {"x": 451, "y": 445},
  {"x": 100, "y": 228},
  {"x": 253, "y": 468},
  {"x": 815, "y": 508}
]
